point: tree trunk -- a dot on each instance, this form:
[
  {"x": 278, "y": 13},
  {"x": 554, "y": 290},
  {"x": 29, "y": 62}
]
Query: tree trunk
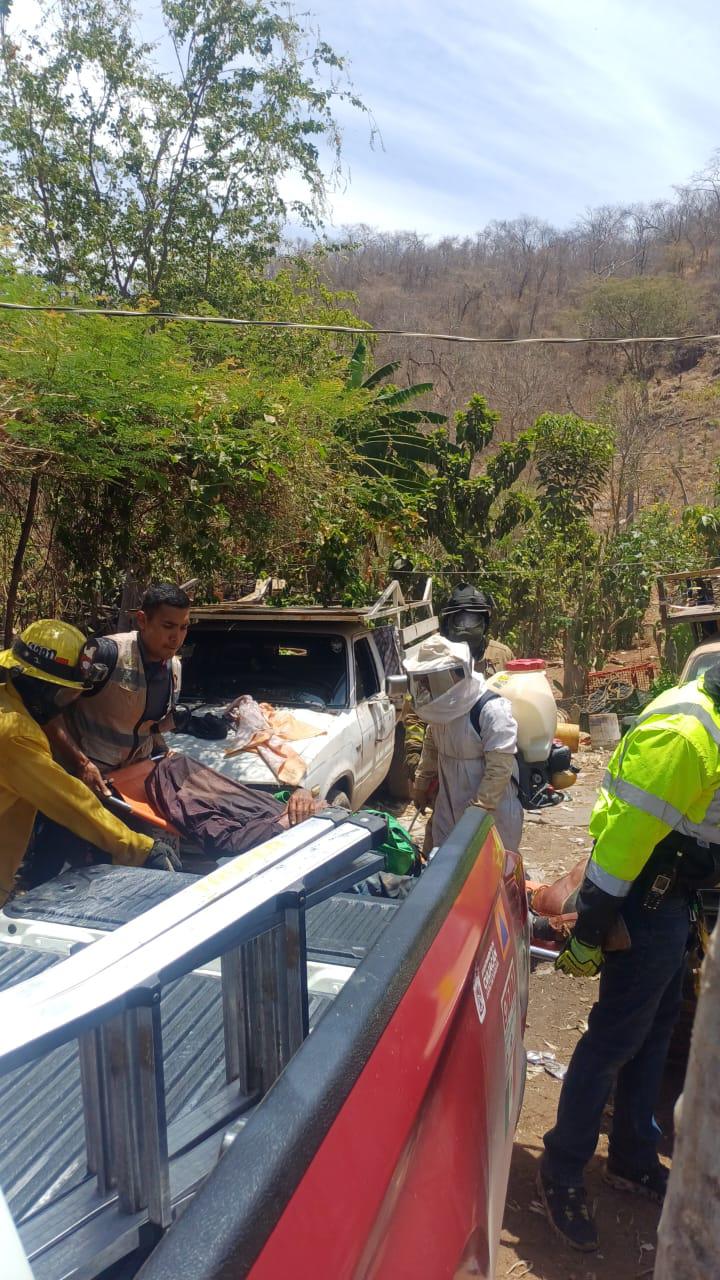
[
  {"x": 19, "y": 557},
  {"x": 573, "y": 675},
  {"x": 689, "y": 1232},
  {"x": 129, "y": 602}
]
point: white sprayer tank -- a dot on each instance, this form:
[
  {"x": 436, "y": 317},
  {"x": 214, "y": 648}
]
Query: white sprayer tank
[{"x": 527, "y": 688}]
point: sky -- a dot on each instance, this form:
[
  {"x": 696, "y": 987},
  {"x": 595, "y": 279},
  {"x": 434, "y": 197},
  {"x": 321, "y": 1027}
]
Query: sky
[
  {"x": 495, "y": 108},
  {"x": 490, "y": 109}
]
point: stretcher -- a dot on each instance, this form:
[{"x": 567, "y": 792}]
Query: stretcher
[{"x": 129, "y": 798}]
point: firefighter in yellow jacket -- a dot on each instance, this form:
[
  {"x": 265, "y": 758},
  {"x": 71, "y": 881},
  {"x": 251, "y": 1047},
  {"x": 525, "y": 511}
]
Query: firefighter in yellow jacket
[
  {"x": 656, "y": 827},
  {"x": 44, "y": 671}
]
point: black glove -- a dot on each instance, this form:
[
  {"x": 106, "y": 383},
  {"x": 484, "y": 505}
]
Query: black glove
[
  {"x": 162, "y": 857},
  {"x": 208, "y": 725},
  {"x": 597, "y": 911}
]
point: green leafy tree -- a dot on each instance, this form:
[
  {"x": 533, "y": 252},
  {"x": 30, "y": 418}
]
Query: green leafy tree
[
  {"x": 119, "y": 450},
  {"x": 643, "y": 306},
  {"x": 656, "y": 542},
  {"x": 127, "y": 178},
  {"x": 572, "y": 457},
  {"x": 555, "y": 568},
  {"x": 388, "y": 439},
  {"x": 467, "y": 508}
]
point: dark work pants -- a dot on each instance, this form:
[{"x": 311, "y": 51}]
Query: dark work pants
[
  {"x": 51, "y": 847},
  {"x": 626, "y": 1043}
]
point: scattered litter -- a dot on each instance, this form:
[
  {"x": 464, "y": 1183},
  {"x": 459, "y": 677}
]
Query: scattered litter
[
  {"x": 515, "y": 1266},
  {"x": 581, "y": 1024},
  {"x": 513, "y": 1204},
  {"x": 549, "y": 1062},
  {"x": 536, "y": 1207},
  {"x": 548, "y": 1045}
]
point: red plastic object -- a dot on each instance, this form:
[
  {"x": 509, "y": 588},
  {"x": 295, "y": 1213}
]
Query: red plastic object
[
  {"x": 410, "y": 1180},
  {"x": 639, "y": 674},
  {"x": 525, "y": 664}
]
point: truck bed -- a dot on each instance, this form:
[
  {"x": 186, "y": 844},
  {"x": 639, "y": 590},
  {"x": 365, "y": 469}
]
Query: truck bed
[
  {"x": 45, "y": 1098},
  {"x": 414, "y": 1065}
]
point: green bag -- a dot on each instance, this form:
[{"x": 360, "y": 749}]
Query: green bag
[{"x": 402, "y": 856}]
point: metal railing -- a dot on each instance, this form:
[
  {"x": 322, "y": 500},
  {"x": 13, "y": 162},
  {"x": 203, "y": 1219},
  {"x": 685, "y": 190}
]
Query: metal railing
[
  {"x": 392, "y": 607},
  {"x": 251, "y": 913}
]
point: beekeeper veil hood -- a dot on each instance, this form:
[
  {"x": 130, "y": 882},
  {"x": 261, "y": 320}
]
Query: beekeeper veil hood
[{"x": 441, "y": 680}]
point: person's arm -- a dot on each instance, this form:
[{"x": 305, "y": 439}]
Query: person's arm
[
  {"x": 73, "y": 757},
  {"x": 496, "y": 779},
  {"x": 35, "y": 777},
  {"x": 661, "y": 776},
  {"x": 497, "y": 730},
  {"x": 62, "y": 742},
  {"x": 303, "y": 805},
  {"x": 427, "y": 770}
]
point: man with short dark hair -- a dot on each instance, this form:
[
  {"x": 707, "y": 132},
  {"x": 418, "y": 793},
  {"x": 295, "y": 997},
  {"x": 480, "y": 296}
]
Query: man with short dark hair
[{"x": 121, "y": 720}]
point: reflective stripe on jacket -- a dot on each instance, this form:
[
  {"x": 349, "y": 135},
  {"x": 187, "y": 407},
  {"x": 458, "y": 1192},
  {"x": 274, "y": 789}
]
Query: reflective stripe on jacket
[
  {"x": 31, "y": 780},
  {"x": 663, "y": 776},
  {"x": 109, "y": 726}
]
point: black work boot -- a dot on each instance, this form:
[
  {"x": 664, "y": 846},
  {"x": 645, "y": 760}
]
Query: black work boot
[
  {"x": 568, "y": 1213},
  {"x": 651, "y": 1183}
]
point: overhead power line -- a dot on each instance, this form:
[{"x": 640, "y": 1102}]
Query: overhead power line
[{"x": 237, "y": 322}]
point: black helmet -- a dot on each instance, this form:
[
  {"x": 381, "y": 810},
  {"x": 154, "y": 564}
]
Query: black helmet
[{"x": 466, "y": 617}]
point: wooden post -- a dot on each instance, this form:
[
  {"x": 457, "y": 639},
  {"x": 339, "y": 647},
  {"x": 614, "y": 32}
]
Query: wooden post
[
  {"x": 689, "y": 1232},
  {"x": 129, "y": 601}
]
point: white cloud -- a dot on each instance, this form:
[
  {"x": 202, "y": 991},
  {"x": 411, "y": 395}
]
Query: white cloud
[
  {"x": 493, "y": 108},
  {"x": 538, "y": 106}
]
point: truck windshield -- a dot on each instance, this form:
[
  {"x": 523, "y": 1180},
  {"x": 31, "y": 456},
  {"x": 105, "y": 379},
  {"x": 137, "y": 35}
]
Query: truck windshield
[{"x": 299, "y": 668}]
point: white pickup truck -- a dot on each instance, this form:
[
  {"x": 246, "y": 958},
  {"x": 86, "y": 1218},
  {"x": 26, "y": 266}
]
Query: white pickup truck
[{"x": 326, "y": 665}]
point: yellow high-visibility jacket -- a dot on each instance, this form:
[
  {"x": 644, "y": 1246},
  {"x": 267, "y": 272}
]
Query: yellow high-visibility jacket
[
  {"x": 663, "y": 776},
  {"x": 30, "y": 780}
]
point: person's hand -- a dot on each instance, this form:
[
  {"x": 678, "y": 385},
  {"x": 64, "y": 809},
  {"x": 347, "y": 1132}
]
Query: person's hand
[
  {"x": 419, "y": 797},
  {"x": 578, "y": 959},
  {"x": 162, "y": 857},
  {"x": 301, "y": 806},
  {"x": 92, "y": 777}
]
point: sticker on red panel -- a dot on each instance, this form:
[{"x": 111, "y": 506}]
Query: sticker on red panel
[
  {"x": 480, "y": 1004},
  {"x": 502, "y": 927},
  {"x": 508, "y": 1004},
  {"x": 508, "y": 999},
  {"x": 490, "y": 968}
]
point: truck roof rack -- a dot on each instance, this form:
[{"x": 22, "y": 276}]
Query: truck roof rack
[
  {"x": 691, "y": 596},
  {"x": 413, "y": 618}
]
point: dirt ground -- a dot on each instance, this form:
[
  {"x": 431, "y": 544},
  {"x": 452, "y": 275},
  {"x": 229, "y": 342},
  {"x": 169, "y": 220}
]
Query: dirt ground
[{"x": 553, "y": 841}]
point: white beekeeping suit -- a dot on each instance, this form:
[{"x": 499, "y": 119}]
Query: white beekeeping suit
[{"x": 471, "y": 747}]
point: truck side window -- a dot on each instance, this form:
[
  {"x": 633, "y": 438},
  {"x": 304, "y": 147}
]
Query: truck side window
[{"x": 367, "y": 682}]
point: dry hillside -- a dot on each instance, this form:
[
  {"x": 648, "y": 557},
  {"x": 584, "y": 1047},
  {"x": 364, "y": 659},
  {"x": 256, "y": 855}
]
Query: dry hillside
[{"x": 618, "y": 272}]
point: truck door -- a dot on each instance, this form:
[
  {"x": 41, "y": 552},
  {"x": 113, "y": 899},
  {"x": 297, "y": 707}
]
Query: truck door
[{"x": 376, "y": 716}]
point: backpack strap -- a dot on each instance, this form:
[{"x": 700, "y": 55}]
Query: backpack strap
[{"x": 475, "y": 712}]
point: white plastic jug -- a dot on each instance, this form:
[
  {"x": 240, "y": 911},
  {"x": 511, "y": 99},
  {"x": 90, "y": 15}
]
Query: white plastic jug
[{"x": 527, "y": 688}]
